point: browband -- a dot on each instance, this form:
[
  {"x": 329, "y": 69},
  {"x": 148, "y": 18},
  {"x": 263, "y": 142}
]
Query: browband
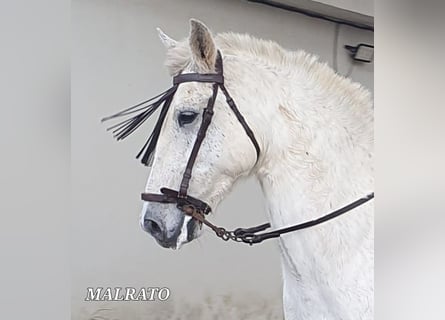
[{"x": 198, "y": 77}]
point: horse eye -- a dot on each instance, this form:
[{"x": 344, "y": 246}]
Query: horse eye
[{"x": 186, "y": 117}]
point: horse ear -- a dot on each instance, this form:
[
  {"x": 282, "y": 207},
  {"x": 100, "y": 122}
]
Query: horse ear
[
  {"x": 202, "y": 46},
  {"x": 166, "y": 40}
]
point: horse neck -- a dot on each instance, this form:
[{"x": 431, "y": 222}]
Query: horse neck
[
  {"x": 316, "y": 145},
  {"x": 315, "y": 129}
]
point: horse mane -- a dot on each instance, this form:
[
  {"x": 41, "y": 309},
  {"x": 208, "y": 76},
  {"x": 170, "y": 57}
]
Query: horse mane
[
  {"x": 271, "y": 54},
  {"x": 351, "y": 102}
]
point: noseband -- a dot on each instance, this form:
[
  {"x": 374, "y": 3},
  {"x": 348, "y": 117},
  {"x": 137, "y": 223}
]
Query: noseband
[{"x": 189, "y": 205}]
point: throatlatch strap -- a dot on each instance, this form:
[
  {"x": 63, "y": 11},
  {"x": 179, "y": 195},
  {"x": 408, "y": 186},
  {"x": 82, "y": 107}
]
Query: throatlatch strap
[{"x": 241, "y": 120}]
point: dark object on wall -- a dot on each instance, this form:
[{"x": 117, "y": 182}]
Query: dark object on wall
[{"x": 362, "y": 52}]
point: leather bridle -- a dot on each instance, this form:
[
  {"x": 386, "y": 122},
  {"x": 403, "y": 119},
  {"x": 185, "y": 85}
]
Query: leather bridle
[{"x": 189, "y": 205}]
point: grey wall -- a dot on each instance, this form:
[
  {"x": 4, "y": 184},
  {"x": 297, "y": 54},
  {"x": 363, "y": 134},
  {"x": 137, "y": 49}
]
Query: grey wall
[
  {"x": 117, "y": 61},
  {"x": 361, "y": 6}
]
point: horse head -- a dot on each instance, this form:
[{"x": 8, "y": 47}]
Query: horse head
[{"x": 226, "y": 153}]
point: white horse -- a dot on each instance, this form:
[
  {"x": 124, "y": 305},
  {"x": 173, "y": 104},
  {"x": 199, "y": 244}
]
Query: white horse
[{"x": 315, "y": 130}]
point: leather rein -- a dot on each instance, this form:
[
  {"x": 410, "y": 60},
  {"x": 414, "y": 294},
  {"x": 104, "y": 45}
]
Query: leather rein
[{"x": 189, "y": 205}]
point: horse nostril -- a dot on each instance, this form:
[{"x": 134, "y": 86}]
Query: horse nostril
[
  {"x": 155, "y": 227},
  {"x": 152, "y": 227}
]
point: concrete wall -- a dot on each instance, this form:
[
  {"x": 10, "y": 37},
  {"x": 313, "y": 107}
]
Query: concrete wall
[
  {"x": 117, "y": 61},
  {"x": 359, "y": 11},
  {"x": 365, "y": 7}
]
